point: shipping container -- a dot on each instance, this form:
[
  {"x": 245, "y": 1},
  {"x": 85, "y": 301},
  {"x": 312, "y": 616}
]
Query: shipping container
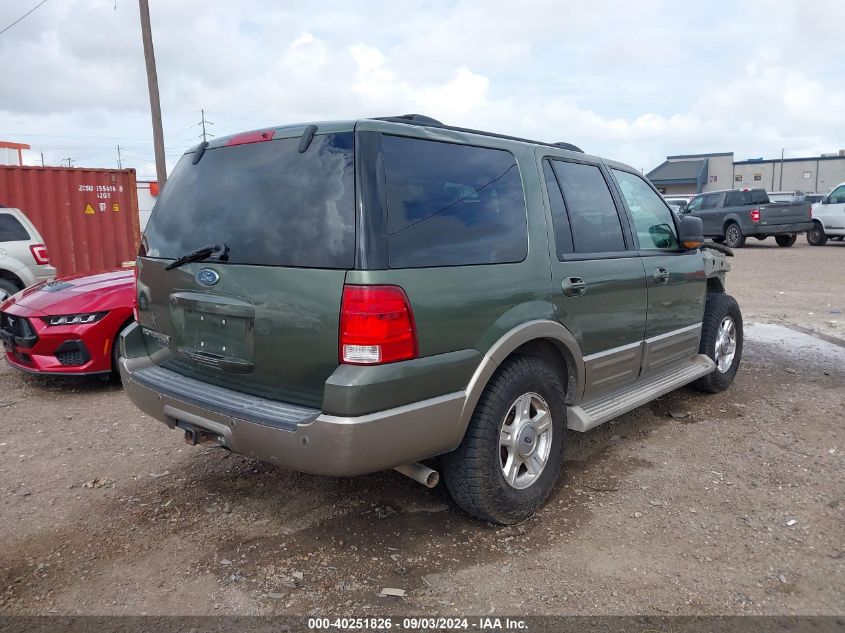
[{"x": 87, "y": 217}]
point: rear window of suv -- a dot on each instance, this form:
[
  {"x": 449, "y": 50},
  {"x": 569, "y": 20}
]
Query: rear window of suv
[
  {"x": 11, "y": 230},
  {"x": 271, "y": 204},
  {"x": 452, "y": 205}
]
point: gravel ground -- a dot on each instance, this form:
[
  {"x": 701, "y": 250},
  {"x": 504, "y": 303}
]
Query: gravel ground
[{"x": 694, "y": 504}]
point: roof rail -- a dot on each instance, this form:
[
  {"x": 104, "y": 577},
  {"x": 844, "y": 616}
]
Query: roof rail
[
  {"x": 569, "y": 146},
  {"x": 418, "y": 119},
  {"x": 421, "y": 119}
]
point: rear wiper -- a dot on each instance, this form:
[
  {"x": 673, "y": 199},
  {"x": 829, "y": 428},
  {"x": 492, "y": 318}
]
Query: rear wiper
[{"x": 219, "y": 251}]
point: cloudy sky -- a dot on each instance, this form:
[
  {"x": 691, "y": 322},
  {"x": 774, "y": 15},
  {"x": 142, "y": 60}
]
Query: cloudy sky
[{"x": 633, "y": 80}]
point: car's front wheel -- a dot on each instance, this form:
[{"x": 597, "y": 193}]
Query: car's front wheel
[
  {"x": 721, "y": 341},
  {"x": 785, "y": 240},
  {"x": 816, "y": 235},
  {"x": 733, "y": 236},
  {"x": 512, "y": 452}
]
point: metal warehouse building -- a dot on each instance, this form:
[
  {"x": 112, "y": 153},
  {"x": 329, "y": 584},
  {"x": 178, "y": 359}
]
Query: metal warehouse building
[{"x": 694, "y": 173}]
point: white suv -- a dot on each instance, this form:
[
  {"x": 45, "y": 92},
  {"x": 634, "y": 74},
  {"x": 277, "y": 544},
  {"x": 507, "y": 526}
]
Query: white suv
[
  {"x": 23, "y": 256},
  {"x": 828, "y": 218}
]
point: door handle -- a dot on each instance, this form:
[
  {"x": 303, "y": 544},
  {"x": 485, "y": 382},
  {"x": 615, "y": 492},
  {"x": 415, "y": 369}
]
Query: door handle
[
  {"x": 661, "y": 275},
  {"x": 573, "y": 286}
]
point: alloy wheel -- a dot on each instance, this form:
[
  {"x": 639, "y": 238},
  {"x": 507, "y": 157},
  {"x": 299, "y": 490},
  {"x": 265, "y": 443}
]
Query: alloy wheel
[
  {"x": 725, "y": 344},
  {"x": 525, "y": 440}
]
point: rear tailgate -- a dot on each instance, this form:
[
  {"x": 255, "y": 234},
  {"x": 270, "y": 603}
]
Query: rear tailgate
[
  {"x": 263, "y": 321},
  {"x": 778, "y": 213}
]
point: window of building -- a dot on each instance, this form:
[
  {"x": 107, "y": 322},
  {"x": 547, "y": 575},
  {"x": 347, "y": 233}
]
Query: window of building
[
  {"x": 758, "y": 176},
  {"x": 452, "y": 205},
  {"x": 592, "y": 213},
  {"x": 738, "y": 178}
]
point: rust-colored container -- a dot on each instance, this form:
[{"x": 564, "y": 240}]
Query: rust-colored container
[{"x": 87, "y": 217}]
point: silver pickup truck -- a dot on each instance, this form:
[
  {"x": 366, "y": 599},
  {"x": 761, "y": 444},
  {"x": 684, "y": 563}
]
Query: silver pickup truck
[{"x": 733, "y": 215}]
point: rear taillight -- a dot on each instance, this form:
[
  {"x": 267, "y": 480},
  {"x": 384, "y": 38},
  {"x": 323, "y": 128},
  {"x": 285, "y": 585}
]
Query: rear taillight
[
  {"x": 376, "y": 325},
  {"x": 755, "y": 215},
  {"x": 810, "y": 211},
  {"x": 39, "y": 252}
]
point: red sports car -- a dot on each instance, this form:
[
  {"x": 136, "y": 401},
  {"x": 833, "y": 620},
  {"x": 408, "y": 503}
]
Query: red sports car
[{"x": 69, "y": 325}]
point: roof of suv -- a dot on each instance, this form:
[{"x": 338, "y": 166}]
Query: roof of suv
[{"x": 406, "y": 119}]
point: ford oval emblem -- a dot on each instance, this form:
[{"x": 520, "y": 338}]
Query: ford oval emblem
[{"x": 207, "y": 276}]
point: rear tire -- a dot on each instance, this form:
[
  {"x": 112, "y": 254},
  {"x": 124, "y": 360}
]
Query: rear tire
[
  {"x": 7, "y": 289},
  {"x": 733, "y": 236},
  {"x": 816, "y": 235},
  {"x": 501, "y": 443},
  {"x": 785, "y": 240},
  {"x": 721, "y": 342}
]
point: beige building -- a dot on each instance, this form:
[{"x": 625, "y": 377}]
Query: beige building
[{"x": 696, "y": 173}]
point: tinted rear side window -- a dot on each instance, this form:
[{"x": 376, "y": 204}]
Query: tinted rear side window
[
  {"x": 452, "y": 205},
  {"x": 269, "y": 203},
  {"x": 592, "y": 212},
  {"x": 737, "y": 198},
  {"x": 11, "y": 230}
]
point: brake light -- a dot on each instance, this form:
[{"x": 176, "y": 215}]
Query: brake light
[
  {"x": 39, "y": 252},
  {"x": 755, "y": 215},
  {"x": 810, "y": 211},
  {"x": 251, "y": 137},
  {"x": 376, "y": 325}
]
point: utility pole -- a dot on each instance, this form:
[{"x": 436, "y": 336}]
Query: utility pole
[
  {"x": 780, "y": 186},
  {"x": 152, "y": 82},
  {"x": 203, "y": 123},
  {"x": 119, "y": 162},
  {"x": 42, "y": 159},
  {"x": 69, "y": 161}
]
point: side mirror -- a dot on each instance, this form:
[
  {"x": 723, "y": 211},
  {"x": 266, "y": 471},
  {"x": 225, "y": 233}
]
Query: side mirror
[
  {"x": 691, "y": 232},
  {"x": 825, "y": 200}
]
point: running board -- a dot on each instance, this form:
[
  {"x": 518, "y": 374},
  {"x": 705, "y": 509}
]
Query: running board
[{"x": 609, "y": 405}]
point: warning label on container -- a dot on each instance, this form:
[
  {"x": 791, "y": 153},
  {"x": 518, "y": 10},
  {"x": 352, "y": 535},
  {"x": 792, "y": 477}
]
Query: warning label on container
[
  {"x": 115, "y": 207},
  {"x": 89, "y": 210}
]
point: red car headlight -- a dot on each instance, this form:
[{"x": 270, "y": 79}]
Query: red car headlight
[{"x": 74, "y": 319}]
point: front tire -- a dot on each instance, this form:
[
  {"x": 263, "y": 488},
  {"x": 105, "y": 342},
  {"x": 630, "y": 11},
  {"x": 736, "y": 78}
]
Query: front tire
[
  {"x": 816, "y": 235},
  {"x": 785, "y": 240},
  {"x": 721, "y": 341},
  {"x": 512, "y": 452},
  {"x": 733, "y": 236}
]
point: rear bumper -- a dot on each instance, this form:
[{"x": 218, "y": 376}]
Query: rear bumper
[
  {"x": 778, "y": 229},
  {"x": 295, "y": 437}
]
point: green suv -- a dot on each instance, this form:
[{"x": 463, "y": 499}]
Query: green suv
[{"x": 352, "y": 296}]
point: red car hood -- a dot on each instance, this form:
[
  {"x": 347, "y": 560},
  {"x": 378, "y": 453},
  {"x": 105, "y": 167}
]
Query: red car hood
[{"x": 79, "y": 293}]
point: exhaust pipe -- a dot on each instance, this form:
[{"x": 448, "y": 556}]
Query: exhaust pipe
[{"x": 422, "y": 474}]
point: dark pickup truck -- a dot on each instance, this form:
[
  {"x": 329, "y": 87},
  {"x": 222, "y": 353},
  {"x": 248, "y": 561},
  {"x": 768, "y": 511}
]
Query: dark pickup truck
[{"x": 733, "y": 215}]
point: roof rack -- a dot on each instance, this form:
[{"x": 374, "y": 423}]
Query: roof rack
[{"x": 421, "y": 119}]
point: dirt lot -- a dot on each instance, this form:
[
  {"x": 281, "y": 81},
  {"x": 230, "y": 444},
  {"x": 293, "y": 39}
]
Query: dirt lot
[{"x": 694, "y": 504}]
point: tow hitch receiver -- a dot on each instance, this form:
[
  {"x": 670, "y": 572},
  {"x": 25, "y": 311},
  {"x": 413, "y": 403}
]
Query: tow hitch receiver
[{"x": 195, "y": 435}]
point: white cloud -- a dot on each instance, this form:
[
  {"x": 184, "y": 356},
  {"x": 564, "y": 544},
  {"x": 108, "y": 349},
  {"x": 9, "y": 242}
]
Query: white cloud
[{"x": 632, "y": 81}]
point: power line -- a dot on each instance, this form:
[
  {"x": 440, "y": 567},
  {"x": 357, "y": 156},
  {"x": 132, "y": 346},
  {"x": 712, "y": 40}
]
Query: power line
[
  {"x": 203, "y": 122},
  {"x": 32, "y": 10}
]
